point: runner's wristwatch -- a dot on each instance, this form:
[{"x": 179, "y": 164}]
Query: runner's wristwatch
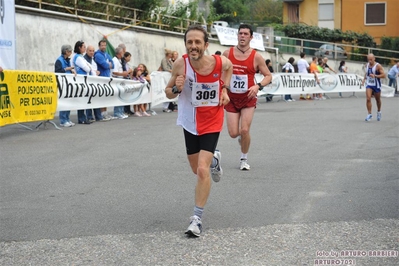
[
  {"x": 260, "y": 86},
  {"x": 175, "y": 90}
]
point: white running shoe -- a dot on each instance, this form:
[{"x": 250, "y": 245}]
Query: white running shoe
[
  {"x": 195, "y": 227},
  {"x": 378, "y": 116},
  {"x": 368, "y": 117},
  {"x": 244, "y": 164},
  {"x": 66, "y": 124},
  {"x": 217, "y": 171},
  {"x": 119, "y": 116}
]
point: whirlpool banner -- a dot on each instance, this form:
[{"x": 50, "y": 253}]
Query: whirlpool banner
[
  {"x": 298, "y": 83},
  {"x": 87, "y": 92}
]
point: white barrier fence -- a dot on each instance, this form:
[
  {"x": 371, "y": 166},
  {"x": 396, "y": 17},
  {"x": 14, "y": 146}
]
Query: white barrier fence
[
  {"x": 86, "y": 92},
  {"x": 298, "y": 83}
]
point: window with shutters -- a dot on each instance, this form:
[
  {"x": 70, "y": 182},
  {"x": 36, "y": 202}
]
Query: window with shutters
[{"x": 375, "y": 13}]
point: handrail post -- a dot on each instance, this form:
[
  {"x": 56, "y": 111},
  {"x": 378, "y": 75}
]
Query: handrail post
[
  {"x": 107, "y": 10},
  {"x": 76, "y": 7},
  {"x": 134, "y": 17},
  {"x": 40, "y": 4}
]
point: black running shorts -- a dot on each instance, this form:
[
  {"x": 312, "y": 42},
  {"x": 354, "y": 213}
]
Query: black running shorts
[{"x": 194, "y": 143}]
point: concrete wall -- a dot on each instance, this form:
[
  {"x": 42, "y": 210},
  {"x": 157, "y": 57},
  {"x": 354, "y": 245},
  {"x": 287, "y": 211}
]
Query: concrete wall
[{"x": 41, "y": 35}]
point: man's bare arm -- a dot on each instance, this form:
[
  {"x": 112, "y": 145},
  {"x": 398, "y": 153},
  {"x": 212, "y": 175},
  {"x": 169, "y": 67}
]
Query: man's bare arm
[{"x": 177, "y": 71}]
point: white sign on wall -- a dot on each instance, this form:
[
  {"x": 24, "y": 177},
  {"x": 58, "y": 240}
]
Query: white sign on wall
[
  {"x": 228, "y": 36},
  {"x": 7, "y": 34}
]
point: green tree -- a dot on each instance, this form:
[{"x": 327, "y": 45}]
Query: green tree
[
  {"x": 235, "y": 10},
  {"x": 267, "y": 11}
]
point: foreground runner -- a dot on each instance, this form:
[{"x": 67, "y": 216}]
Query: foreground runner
[
  {"x": 198, "y": 78},
  {"x": 243, "y": 90},
  {"x": 374, "y": 72}
]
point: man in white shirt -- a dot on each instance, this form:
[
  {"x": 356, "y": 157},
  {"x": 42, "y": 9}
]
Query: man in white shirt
[
  {"x": 118, "y": 72},
  {"x": 303, "y": 67},
  {"x": 89, "y": 56}
]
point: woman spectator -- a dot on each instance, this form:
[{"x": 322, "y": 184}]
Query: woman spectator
[
  {"x": 166, "y": 65},
  {"x": 82, "y": 67},
  {"x": 139, "y": 109},
  {"x": 175, "y": 55},
  {"x": 289, "y": 68},
  {"x": 145, "y": 74},
  {"x": 342, "y": 69},
  {"x": 63, "y": 65},
  {"x": 126, "y": 67}
]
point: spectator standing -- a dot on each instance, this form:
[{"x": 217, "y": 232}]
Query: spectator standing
[
  {"x": 269, "y": 97},
  {"x": 393, "y": 74},
  {"x": 166, "y": 65},
  {"x": 89, "y": 56},
  {"x": 126, "y": 67},
  {"x": 63, "y": 65},
  {"x": 313, "y": 68},
  {"x": 123, "y": 46},
  {"x": 320, "y": 68},
  {"x": 374, "y": 74},
  {"x": 81, "y": 68},
  {"x": 117, "y": 72},
  {"x": 326, "y": 66},
  {"x": 289, "y": 68},
  {"x": 303, "y": 67},
  {"x": 104, "y": 65},
  {"x": 147, "y": 78},
  {"x": 175, "y": 55},
  {"x": 139, "y": 109},
  {"x": 342, "y": 69},
  {"x": 201, "y": 123}
]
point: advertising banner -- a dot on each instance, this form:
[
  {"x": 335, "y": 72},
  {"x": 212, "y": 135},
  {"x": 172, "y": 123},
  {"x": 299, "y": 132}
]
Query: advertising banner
[
  {"x": 27, "y": 96},
  {"x": 298, "y": 83},
  {"x": 159, "y": 80},
  {"x": 7, "y": 34},
  {"x": 87, "y": 92},
  {"x": 228, "y": 36}
]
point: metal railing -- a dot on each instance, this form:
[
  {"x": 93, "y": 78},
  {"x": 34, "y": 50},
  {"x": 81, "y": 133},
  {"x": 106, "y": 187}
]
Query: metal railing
[
  {"x": 337, "y": 51},
  {"x": 155, "y": 19},
  {"x": 113, "y": 12}
]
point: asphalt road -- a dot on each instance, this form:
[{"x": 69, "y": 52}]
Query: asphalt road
[{"x": 121, "y": 192}]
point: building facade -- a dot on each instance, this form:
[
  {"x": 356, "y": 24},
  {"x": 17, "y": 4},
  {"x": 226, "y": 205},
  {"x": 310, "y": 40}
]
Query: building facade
[{"x": 376, "y": 17}]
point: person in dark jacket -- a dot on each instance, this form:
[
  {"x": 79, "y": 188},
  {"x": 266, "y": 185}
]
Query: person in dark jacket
[{"x": 63, "y": 65}]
